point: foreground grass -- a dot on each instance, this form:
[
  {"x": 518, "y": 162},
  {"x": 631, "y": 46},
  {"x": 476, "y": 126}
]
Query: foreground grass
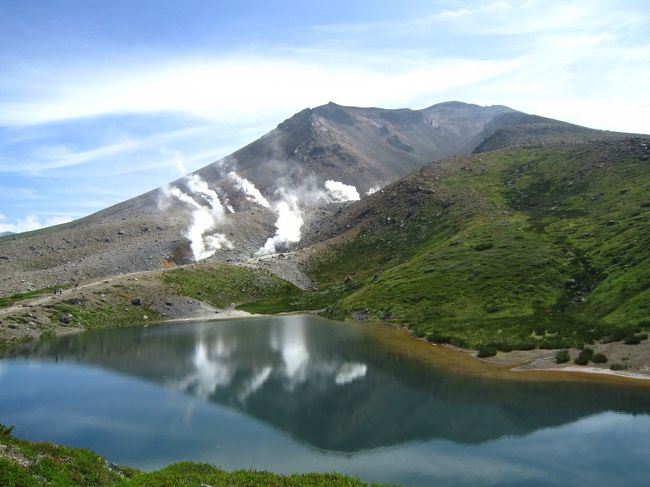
[
  {"x": 192, "y": 474},
  {"x": 27, "y": 464}
]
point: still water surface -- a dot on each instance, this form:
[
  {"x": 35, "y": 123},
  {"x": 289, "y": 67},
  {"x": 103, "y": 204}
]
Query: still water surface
[{"x": 299, "y": 393}]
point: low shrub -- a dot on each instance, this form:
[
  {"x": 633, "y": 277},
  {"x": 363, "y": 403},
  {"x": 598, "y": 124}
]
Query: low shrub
[
  {"x": 632, "y": 340},
  {"x": 599, "y": 358},
  {"x": 488, "y": 351},
  {"x": 504, "y": 347},
  {"x": 588, "y": 353},
  {"x": 562, "y": 357},
  {"x": 618, "y": 366},
  {"x": 581, "y": 360}
]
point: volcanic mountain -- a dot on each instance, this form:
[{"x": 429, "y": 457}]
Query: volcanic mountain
[{"x": 361, "y": 147}]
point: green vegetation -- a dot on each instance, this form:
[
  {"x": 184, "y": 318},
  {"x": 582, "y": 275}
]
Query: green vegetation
[
  {"x": 251, "y": 290},
  {"x": 7, "y": 301},
  {"x": 27, "y": 464},
  {"x": 586, "y": 354},
  {"x": 562, "y": 357},
  {"x": 484, "y": 352},
  {"x": 88, "y": 315},
  {"x": 553, "y": 240},
  {"x": 192, "y": 474},
  {"x": 599, "y": 358}
]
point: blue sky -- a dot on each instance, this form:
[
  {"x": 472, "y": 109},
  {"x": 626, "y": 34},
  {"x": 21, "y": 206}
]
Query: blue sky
[{"x": 103, "y": 100}]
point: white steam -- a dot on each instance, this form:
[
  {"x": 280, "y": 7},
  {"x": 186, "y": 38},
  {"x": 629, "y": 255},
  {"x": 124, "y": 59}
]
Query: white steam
[
  {"x": 204, "y": 218},
  {"x": 341, "y": 192},
  {"x": 249, "y": 189},
  {"x": 184, "y": 197},
  {"x": 202, "y": 245},
  {"x": 199, "y": 186},
  {"x": 372, "y": 189},
  {"x": 287, "y": 225}
]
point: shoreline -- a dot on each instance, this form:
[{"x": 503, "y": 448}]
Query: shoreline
[
  {"x": 588, "y": 370},
  {"x": 517, "y": 365},
  {"x": 521, "y": 365}
]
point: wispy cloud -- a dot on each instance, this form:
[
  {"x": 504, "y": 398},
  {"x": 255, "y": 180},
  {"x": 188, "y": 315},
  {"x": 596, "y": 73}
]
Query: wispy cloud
[
  {"x": 227, "y": 89},
  {"x": 61, "y": 156}
]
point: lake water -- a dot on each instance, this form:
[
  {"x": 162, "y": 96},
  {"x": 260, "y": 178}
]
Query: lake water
[{"x": 301, "y": 394}]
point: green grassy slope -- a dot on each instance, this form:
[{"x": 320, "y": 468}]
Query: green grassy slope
[
  {"x": 223, "y": 285},
  {"x": 27, "y": 464},
  {"x": 518, "y": 248}
]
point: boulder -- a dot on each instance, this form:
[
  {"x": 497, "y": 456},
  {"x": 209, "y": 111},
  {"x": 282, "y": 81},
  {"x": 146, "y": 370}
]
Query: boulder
[
  {"x": 136, "y": 301},
  {"x": 65, "y": 318},
  {"x": 360, "y": 315}
]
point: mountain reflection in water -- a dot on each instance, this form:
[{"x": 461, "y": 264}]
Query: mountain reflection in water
[{"x": 332, "y": 385}]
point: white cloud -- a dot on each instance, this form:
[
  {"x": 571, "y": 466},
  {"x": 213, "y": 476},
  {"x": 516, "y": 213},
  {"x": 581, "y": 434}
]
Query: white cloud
[
  {"x": 30, "y": 222},
  {"x": 227, "y": 89}
]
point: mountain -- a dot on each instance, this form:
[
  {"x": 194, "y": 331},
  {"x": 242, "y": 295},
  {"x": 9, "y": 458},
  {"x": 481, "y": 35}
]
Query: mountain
[
  {"x": 6, "y": 234},
  {"x": 363, "y": 147}
]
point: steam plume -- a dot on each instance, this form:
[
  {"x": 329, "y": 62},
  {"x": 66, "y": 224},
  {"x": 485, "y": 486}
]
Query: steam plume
[
  {"x": 203, "y": 246},
  {"x": 198, "y": 185},
  {"x": 249, "y": 189},
  {"x": 340, "y": 192},
  {"x": 204, "y": 218},
  {"x": 288, "y": 225}
]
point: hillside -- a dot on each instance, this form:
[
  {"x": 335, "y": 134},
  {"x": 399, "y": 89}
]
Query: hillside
[{"x": 516, "y": 248}]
